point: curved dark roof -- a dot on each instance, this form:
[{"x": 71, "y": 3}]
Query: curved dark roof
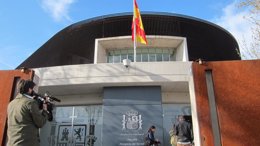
[{"x": 75, "y": 43}]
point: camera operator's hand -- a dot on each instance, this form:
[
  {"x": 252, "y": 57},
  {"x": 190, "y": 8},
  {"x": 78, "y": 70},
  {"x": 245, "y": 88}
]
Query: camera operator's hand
[{"x": 44, "y": 107}]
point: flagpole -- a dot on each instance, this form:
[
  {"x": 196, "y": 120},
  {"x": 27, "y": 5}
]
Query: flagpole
[{"x": 134, "y": 31}]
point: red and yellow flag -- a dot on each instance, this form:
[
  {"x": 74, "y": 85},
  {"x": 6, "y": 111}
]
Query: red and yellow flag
[{"x": 138, "y": 32}]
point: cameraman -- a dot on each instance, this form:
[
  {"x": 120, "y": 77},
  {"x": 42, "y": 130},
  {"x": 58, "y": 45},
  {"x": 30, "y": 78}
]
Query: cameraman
[{"x": 24, "y": 117}]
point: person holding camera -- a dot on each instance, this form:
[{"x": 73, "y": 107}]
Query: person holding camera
[{"x": 25, "y": 117}]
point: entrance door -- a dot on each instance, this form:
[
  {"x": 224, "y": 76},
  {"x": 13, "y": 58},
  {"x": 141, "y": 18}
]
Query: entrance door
[
  {"x": 73, "y": 126},
  {"x": 170, "y": 117}
]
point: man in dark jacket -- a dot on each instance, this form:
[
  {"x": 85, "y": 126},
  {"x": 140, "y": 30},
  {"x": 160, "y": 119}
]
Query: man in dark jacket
[
  {"x": 183, "y": 130},
  {"x": 24, "y": 117}
]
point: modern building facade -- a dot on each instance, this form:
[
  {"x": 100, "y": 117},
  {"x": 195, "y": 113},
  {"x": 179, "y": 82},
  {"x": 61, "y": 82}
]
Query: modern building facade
[{"x": 106, "y": 103}]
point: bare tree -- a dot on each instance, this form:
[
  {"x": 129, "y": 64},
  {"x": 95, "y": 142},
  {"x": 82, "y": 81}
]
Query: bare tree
[{"x": 251, "y": 50}]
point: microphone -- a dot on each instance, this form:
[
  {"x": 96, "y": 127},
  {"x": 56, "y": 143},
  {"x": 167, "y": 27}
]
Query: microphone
[{"x": 52, "y": 97}]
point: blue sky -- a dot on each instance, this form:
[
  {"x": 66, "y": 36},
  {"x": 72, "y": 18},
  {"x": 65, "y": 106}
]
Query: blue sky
[{"x": 27, "y": 24}]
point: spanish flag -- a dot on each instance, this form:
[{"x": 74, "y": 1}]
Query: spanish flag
[{"x": 138, "y": 32}]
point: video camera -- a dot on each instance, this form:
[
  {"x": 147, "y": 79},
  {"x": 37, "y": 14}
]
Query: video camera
[{"x": 47, "y": 99}]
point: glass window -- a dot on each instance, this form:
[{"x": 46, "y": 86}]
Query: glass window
[
  {"x": 159, "y": 51},
  {"x": 123, "y": 56},
  {"x": 152, "y": 57},
  {"x": 138, "y": 51},
  {"x": 152, "y": 51},
  {"x": 145, "y": 50},
  {"x": 117, "y": 59},
  {"x": 110, "y": 59},
  {"x": 131, "y": 51},
  {"x": 117, "y": 52},
  {"x": 166, "y": 57},
  {"x": 172, "y": 57},
  {"x": 144, "y": 57},
  {"x": 138, "y": 57},
  {"x": 73, "y": 125},
  {"x": 131, "y": 57},
  {"x": 159, "y": 57},
  {"x": 171, "y": 112},
  {"x": 124, "y": 51},
  {"x": 166, "y": 51},
  {"x": 110, "y": 53}
]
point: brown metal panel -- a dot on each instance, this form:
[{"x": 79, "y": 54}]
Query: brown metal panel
[
  {"x": 202, "y": 102},
  {"x": 237, "y": 88},
  {"x": 237, "y": 93},
  {"x": 6, "y": 90}
]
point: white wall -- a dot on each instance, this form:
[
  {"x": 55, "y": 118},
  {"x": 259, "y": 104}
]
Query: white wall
[
  {"x": 182, "y": 51},
  {"x": 100, "y": 53},
  {"x": 104, "y": 44},
  {"x": 146, "y": 72},
  {"x": 175, "y": 97}
]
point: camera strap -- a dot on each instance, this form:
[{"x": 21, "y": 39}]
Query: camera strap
[{"x": 28, "y": 96}]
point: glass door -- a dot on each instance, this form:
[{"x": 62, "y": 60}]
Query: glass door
[
  {"x": 73, "y": 126},
  {"x": 170, "y": 116}
]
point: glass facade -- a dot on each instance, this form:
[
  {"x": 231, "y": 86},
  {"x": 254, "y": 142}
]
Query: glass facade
[
  {"x": 73, "y": 126},
  {"x": 170, "y": 115},
  {"x": 86, "y": 122},
  {"x": 142, "y": 55}
]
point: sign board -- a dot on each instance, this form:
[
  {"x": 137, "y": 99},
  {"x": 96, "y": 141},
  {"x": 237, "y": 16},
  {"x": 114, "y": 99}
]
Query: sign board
[{"x": 127, "y": 123}]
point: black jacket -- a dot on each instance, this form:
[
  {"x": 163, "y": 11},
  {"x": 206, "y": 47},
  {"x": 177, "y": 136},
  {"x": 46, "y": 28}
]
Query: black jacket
[
  {"x": 183, "y": 130},
  {"x": 151, "y": 137}
]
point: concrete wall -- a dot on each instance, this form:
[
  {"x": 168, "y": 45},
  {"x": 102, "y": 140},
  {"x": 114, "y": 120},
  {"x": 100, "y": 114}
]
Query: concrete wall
[
  {"x": 175, "y": 97},
  {"x": 100, "y": 53},
  {"x": 182, "y": 51},
  {"x": 97, "y": 98},
  {"x": 139, "y": 73}
]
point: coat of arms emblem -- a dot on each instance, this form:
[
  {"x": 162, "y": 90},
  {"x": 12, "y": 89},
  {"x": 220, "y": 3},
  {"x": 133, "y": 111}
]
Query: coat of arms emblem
[{"x": 132, "y": 120}]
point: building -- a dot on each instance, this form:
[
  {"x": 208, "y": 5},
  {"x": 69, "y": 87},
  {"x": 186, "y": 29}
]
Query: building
[{"x": 107, "y": 103}]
